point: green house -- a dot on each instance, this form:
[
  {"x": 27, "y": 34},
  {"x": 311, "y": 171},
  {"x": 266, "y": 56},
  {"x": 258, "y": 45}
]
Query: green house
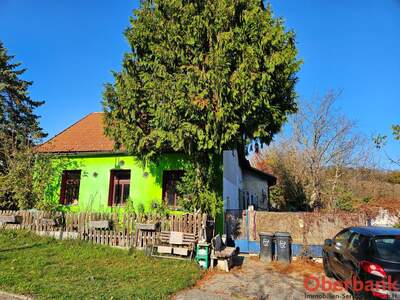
[{"x": 92, "y": 176}]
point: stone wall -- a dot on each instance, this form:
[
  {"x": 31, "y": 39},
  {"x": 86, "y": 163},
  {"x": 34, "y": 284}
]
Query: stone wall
[
  {"x": 308, "y": 228},
  {"x": 385, "y": 217},
  {"x": 305, "y": 228}
]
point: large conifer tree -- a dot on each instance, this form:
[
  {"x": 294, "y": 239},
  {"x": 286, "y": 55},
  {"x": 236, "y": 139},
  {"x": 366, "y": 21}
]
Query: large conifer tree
[
  {"x": 203, "y": 76},
  {"x": 19, "y": 131},
  {"x": 17, "y": 110}
]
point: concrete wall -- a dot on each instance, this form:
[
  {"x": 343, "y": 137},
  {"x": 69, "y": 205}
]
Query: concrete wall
[
  {"x": 308, "y": 228},
  {"x": 305, "y": 228}
]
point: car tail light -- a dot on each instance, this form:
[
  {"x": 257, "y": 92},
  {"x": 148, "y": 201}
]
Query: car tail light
[
  {"x": 380, "y": 294},
  {"x": 373, "y": 269}
]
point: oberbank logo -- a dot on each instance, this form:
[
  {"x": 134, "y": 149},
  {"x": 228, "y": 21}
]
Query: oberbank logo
[{"x": 313, "y": 284}]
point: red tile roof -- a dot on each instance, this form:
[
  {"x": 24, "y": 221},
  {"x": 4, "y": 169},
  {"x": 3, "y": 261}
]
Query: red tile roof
[{"x": 86, "y": 135}]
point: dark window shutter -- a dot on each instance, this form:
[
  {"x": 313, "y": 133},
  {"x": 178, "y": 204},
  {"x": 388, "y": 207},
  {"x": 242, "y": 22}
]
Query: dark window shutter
[
  {"x": 63, "y": 187},
  {"x": 111, "y": 188}
]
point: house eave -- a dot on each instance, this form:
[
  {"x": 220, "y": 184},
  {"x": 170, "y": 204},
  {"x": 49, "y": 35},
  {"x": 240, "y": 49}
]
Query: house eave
[
  {"x": 84, "y": 153},
  {"x": 245, "y": 165}
]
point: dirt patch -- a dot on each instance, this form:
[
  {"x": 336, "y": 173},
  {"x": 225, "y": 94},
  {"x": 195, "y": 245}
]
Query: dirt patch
[
  {"x": 208, "y": 275},
  {"x": 298, "y": 267}
]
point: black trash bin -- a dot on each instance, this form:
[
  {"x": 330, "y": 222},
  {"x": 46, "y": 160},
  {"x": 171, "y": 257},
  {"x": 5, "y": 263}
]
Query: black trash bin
[
  {"x": 283, "y": 242},
  {"x": 266, "y": 246}
]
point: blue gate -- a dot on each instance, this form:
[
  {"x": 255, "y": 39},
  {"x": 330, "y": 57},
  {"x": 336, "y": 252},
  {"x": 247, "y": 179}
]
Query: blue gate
[{"x": 239, "y": 226}]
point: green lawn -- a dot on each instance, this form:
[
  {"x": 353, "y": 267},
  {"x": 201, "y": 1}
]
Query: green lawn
[{"x": 49, "y": 269}]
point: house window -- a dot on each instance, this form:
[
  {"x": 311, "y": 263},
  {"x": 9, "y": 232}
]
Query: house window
[
  {"x": 170, "y": 191},
  {"x": 120, "y": 182},
  {"x": 70, "y": 187}
]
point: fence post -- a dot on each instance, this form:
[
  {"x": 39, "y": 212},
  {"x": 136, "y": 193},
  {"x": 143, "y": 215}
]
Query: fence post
[{"x": 202, "y": 234}]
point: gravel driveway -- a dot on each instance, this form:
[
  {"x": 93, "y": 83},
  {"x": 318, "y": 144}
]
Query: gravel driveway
[{"x": 258, "y": 280}]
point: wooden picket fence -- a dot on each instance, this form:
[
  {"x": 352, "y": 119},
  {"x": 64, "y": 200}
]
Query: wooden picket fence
[{"x": 122, "y": 230}]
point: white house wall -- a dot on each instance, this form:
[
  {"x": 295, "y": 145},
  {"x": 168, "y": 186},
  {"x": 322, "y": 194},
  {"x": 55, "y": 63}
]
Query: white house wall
[
  {"x": 257, "y": 187},
  {"x": 232, "y": 181}
]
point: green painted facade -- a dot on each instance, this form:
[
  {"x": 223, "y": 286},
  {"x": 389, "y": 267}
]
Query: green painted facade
[{"x": 145, "y": 184}]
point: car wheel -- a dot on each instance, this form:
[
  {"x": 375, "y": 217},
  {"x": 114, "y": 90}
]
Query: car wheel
[{"x": 327, "y": 269}]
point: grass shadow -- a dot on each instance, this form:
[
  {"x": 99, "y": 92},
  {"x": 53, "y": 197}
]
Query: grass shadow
[{"x": 35, "y": 245}]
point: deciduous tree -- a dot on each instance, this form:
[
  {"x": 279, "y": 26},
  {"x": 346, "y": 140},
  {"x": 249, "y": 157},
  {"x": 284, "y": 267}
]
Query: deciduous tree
[
  {"x": 380, "y": 142},
  {"x": 314, "y": 162}
]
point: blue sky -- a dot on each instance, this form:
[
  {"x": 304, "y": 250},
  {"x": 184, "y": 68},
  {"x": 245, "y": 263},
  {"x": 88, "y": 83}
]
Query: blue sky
[{"x": 70, "y": 47}]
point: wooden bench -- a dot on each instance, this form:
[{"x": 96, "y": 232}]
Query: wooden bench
[
  {"x": 221, "y": 254},
  {"x": 174, "y": 244},
  {"x": 148, "y": 226},
  {"x": 8, "y": 219},
  {"x": 103, "y": 224},
  {"x": 48, "y": 222}
]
